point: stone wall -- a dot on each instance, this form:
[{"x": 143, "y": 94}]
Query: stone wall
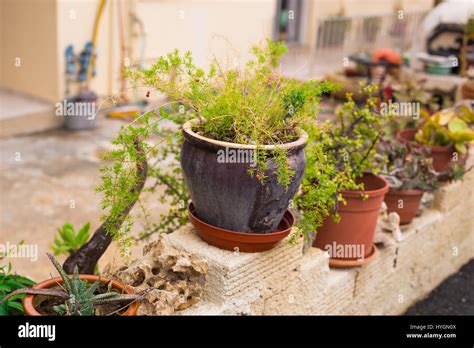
[{"x": 287, "y": 280}]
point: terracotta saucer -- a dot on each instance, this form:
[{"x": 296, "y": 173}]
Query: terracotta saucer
[{"x": 346, "y": 263}]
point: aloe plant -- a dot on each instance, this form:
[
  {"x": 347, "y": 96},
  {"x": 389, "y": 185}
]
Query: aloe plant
[{"x": 79, "y": 296}]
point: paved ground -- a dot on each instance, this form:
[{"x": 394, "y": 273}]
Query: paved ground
[
  {"x": 454, "y": 296},
  {"x": 48, "y": 179}
]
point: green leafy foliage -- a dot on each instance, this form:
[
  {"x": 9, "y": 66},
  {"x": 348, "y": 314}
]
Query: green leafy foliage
[
  {"x": 120, "y": 178},
  {"x": 68, "y": 240},
  {"x": 170, "y": 176},
  {"x": 341, "y": 153},
  {"x": 253, "y": 105},
  {"x": 10, "y": 282},
  {"x": 448, "y": 127}
]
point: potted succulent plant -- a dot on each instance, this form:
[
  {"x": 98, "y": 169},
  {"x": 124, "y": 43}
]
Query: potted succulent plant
[
  {"x": 243, "y": 151},
  {"x": 448, "y": 134},
  {"x": 410, "y": 174},
  {"x": 340, "y": 196},
  {"x": 77, "y": 295}
]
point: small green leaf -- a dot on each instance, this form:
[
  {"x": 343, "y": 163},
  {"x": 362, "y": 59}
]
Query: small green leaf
[
  {"x": 456, "y": 125},
  {"x": 461, "y": 148}
]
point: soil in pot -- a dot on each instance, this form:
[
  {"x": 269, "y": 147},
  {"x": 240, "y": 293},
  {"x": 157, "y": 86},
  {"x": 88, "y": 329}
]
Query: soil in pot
[
  {"x": 40, "y": 305},
  {"x": 241, "y": 241},
  {"x": 404, "y": 202},
  {"x": 442, "y": 155},
  {"x": 223, "y": 193},
  {"x": 353, "y": 237}
]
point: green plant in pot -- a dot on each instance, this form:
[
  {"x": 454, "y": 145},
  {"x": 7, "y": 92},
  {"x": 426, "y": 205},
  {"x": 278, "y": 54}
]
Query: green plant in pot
[
  {"x": 340, "y": 195},
  {"x": 81, "y": 295},
  {"x": 448, "y": 134},
  {"x": 10, "y": 282},
  {"x": 410, "y": 173},
  {"x": 243, "y": 151}
]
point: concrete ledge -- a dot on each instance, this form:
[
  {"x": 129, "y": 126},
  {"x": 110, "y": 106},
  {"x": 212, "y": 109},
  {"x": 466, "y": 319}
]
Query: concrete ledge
[
  {"x": 287, "y": 281},
  {"x": 22, "y": 114}
]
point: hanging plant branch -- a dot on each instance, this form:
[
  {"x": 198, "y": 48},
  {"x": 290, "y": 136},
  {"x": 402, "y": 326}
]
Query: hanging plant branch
[{"x": 120, "y": 204}]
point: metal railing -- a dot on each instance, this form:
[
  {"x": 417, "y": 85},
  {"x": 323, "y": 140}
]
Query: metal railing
[{"x": 338, "y": 37}]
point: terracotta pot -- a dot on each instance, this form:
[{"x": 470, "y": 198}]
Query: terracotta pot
[
  {"x": 222, "y": 191},
  {"x": 241, "y": 241},
  {"x": 29, "y": 300},
  {"x": 442, "y": 155},
  {"x": 467, "y": 92},
  {"x": 356, "y": 230},
  {"x": 404, "y": 202}
]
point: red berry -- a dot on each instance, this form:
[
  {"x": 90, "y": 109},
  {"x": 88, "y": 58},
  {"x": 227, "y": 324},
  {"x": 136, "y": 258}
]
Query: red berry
[{"x": 148, "y": 94}]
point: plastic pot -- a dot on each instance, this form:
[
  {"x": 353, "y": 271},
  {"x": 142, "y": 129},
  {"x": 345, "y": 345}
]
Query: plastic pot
[
  {"x": 241, "y": 241},
  {"x": 222, "y": 191},
  {"x": 30, "y": 301},
  {"x": 404, "y": 202},
  {"x": 354, "y": 234},
  {"x": 442, "y": 155}
]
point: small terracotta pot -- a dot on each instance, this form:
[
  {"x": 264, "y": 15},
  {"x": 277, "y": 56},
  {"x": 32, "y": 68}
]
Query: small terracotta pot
[
  {"x": 442, "y": 155},
  {"x": 410, "y": 200},
  {"x": 356, "y": 229},
  {"x": 241, "y": 241},
  {"x": 29, "y": 300}
]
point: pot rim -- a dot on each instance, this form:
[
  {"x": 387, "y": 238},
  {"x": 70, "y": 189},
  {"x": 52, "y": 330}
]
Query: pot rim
[
  {"x": 408, "y": 192},
  {"x": 300, "y": 142},
  {"x": 411, "y": 139},
  {"x": 371, "y": 193},
  {"x": 30, "y": 309},
  {"x": 257, "y": 236}
]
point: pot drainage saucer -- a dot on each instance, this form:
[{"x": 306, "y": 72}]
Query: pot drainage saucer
[
  {"x": 346, "y": 263},
  {"x": 241, "y": 241}
]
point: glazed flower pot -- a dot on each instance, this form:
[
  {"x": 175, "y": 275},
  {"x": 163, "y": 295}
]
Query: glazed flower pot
[
  {"x": 222, "y": 191},
  {"x": 31, "y": 301},
  {"x": 352, "y": 239},
  {"x": 442, "y": 155},
  {"x": 404, "y": 202},
  {"x": 241, "y": 241}
]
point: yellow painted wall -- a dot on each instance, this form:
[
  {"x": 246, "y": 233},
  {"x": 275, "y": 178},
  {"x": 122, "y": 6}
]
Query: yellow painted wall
[
  {"x": 29, "y": 47},
  {"x": 206, "y": 27}
]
